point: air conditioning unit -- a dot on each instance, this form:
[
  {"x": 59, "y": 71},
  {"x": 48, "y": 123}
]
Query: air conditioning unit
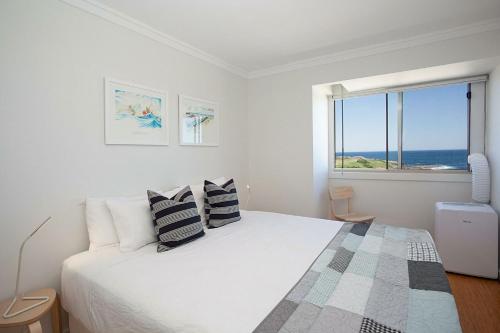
[{"x": 466, "y": 237}]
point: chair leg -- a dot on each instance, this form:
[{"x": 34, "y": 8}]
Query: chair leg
[{"x": 35, "y": 327}]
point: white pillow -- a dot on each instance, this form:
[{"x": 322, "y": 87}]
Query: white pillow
[
  {"x": 133, "y": 223},
  {"x": 100, "y": 226},
  {"x": 171, "y": 193},
  {"x": 199, "y": 196}
]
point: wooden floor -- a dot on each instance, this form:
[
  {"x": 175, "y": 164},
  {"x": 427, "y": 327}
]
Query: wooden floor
[{"x": 478, "y": 302}]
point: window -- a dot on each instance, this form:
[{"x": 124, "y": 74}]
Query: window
[
  {"x": 361, "y": 132},
  {"x": 422, "y": 128},
  {"x": 435, "y": 127}
]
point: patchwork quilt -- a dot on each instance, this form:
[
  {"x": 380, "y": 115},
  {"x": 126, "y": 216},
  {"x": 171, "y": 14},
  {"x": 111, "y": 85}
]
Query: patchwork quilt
[{"x": 370, "y": 278}]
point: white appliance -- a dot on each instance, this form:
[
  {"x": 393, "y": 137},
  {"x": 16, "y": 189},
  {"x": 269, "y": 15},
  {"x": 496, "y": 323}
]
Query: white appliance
[
  {"x": 466, "y": 237},
  {"x": 480, "y": 178}
]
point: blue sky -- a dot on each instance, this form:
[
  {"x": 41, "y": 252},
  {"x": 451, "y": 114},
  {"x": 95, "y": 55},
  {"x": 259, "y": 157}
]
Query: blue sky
[{"x": 433, "y": 118}]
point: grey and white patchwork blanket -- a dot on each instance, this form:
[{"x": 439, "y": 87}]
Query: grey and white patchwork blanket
[{"x": 370, "y": 278}]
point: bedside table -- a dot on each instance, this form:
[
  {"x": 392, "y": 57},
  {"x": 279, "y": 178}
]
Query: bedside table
[{"x": 31, "y": 318}]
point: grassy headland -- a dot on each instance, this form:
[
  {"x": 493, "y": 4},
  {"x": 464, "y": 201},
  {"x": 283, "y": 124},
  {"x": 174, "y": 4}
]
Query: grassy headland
[{"x": 360, "y": 162}]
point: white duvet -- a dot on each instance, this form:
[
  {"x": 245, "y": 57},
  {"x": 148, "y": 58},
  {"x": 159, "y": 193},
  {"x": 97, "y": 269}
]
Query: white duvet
[{"x": 225, "y": 282}]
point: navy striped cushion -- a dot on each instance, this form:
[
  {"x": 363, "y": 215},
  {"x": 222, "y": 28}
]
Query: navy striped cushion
[
  {"x": 176, "y": 220},
  {"x": 221, "y": 204}
]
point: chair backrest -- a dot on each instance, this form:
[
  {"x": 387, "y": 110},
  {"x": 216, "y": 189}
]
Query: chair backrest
[{"x": 340, "y": 193}]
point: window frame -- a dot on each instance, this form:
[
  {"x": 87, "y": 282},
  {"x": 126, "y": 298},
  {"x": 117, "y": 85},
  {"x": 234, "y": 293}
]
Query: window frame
[{"x": 475, "y": 141}]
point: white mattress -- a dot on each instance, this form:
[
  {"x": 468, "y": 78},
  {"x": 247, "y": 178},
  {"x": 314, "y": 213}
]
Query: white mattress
[{"x": 225, "y": 282}]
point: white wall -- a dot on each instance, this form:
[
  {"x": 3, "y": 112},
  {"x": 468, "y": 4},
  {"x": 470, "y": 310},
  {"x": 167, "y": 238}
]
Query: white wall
[
  {"x": 320, "y": 114},
  {"x": 52, "y": 63},
  {"x": 283, "y": 176},
  {"x": 493, "y": 136},
  {"x": 404, "y": 203}
]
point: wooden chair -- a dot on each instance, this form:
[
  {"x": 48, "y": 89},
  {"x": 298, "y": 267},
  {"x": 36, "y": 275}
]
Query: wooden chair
[{"x": 345, "y": 193}]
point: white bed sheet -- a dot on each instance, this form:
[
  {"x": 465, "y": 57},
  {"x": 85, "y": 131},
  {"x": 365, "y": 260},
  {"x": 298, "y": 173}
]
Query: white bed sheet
[{"x": 225, "y": 282}]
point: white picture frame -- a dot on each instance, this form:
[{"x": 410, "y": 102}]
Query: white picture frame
[
  {"x": 198, "y": 122},
  {"x": 135, "y": 114}
]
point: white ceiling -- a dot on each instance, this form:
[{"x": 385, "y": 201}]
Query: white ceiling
[{"x": 258, "y": 34}]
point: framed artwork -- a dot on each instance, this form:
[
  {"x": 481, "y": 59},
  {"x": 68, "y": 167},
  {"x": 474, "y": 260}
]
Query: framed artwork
[
  {"x": 135, "y": 115},
  {"x": 198, "y": 122}
]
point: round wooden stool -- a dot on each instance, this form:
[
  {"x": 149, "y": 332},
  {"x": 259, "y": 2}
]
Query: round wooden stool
[{"x": 31, "y": 318}]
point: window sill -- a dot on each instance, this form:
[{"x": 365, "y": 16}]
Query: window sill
[{"x": 416, "y": 176}]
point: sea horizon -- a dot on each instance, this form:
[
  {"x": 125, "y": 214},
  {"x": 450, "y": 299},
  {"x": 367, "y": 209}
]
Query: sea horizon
[
  {"x": 406, "y": 150},
  {"x": 437, "y": 158}
]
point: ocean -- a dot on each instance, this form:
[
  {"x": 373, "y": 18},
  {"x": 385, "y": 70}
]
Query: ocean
[{"x": 438, "y": 159}]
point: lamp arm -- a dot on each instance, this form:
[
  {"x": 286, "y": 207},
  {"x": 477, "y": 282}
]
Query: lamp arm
[{"x": 19, "y": 261}]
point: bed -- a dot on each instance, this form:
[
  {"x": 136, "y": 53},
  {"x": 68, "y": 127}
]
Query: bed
[{"x": 267, "y": 273}]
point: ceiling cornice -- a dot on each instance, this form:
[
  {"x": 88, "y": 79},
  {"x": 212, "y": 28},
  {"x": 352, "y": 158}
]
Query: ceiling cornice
[
  {"x": 437, "y": 36},
  {"x": 118, "y": 18}
]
